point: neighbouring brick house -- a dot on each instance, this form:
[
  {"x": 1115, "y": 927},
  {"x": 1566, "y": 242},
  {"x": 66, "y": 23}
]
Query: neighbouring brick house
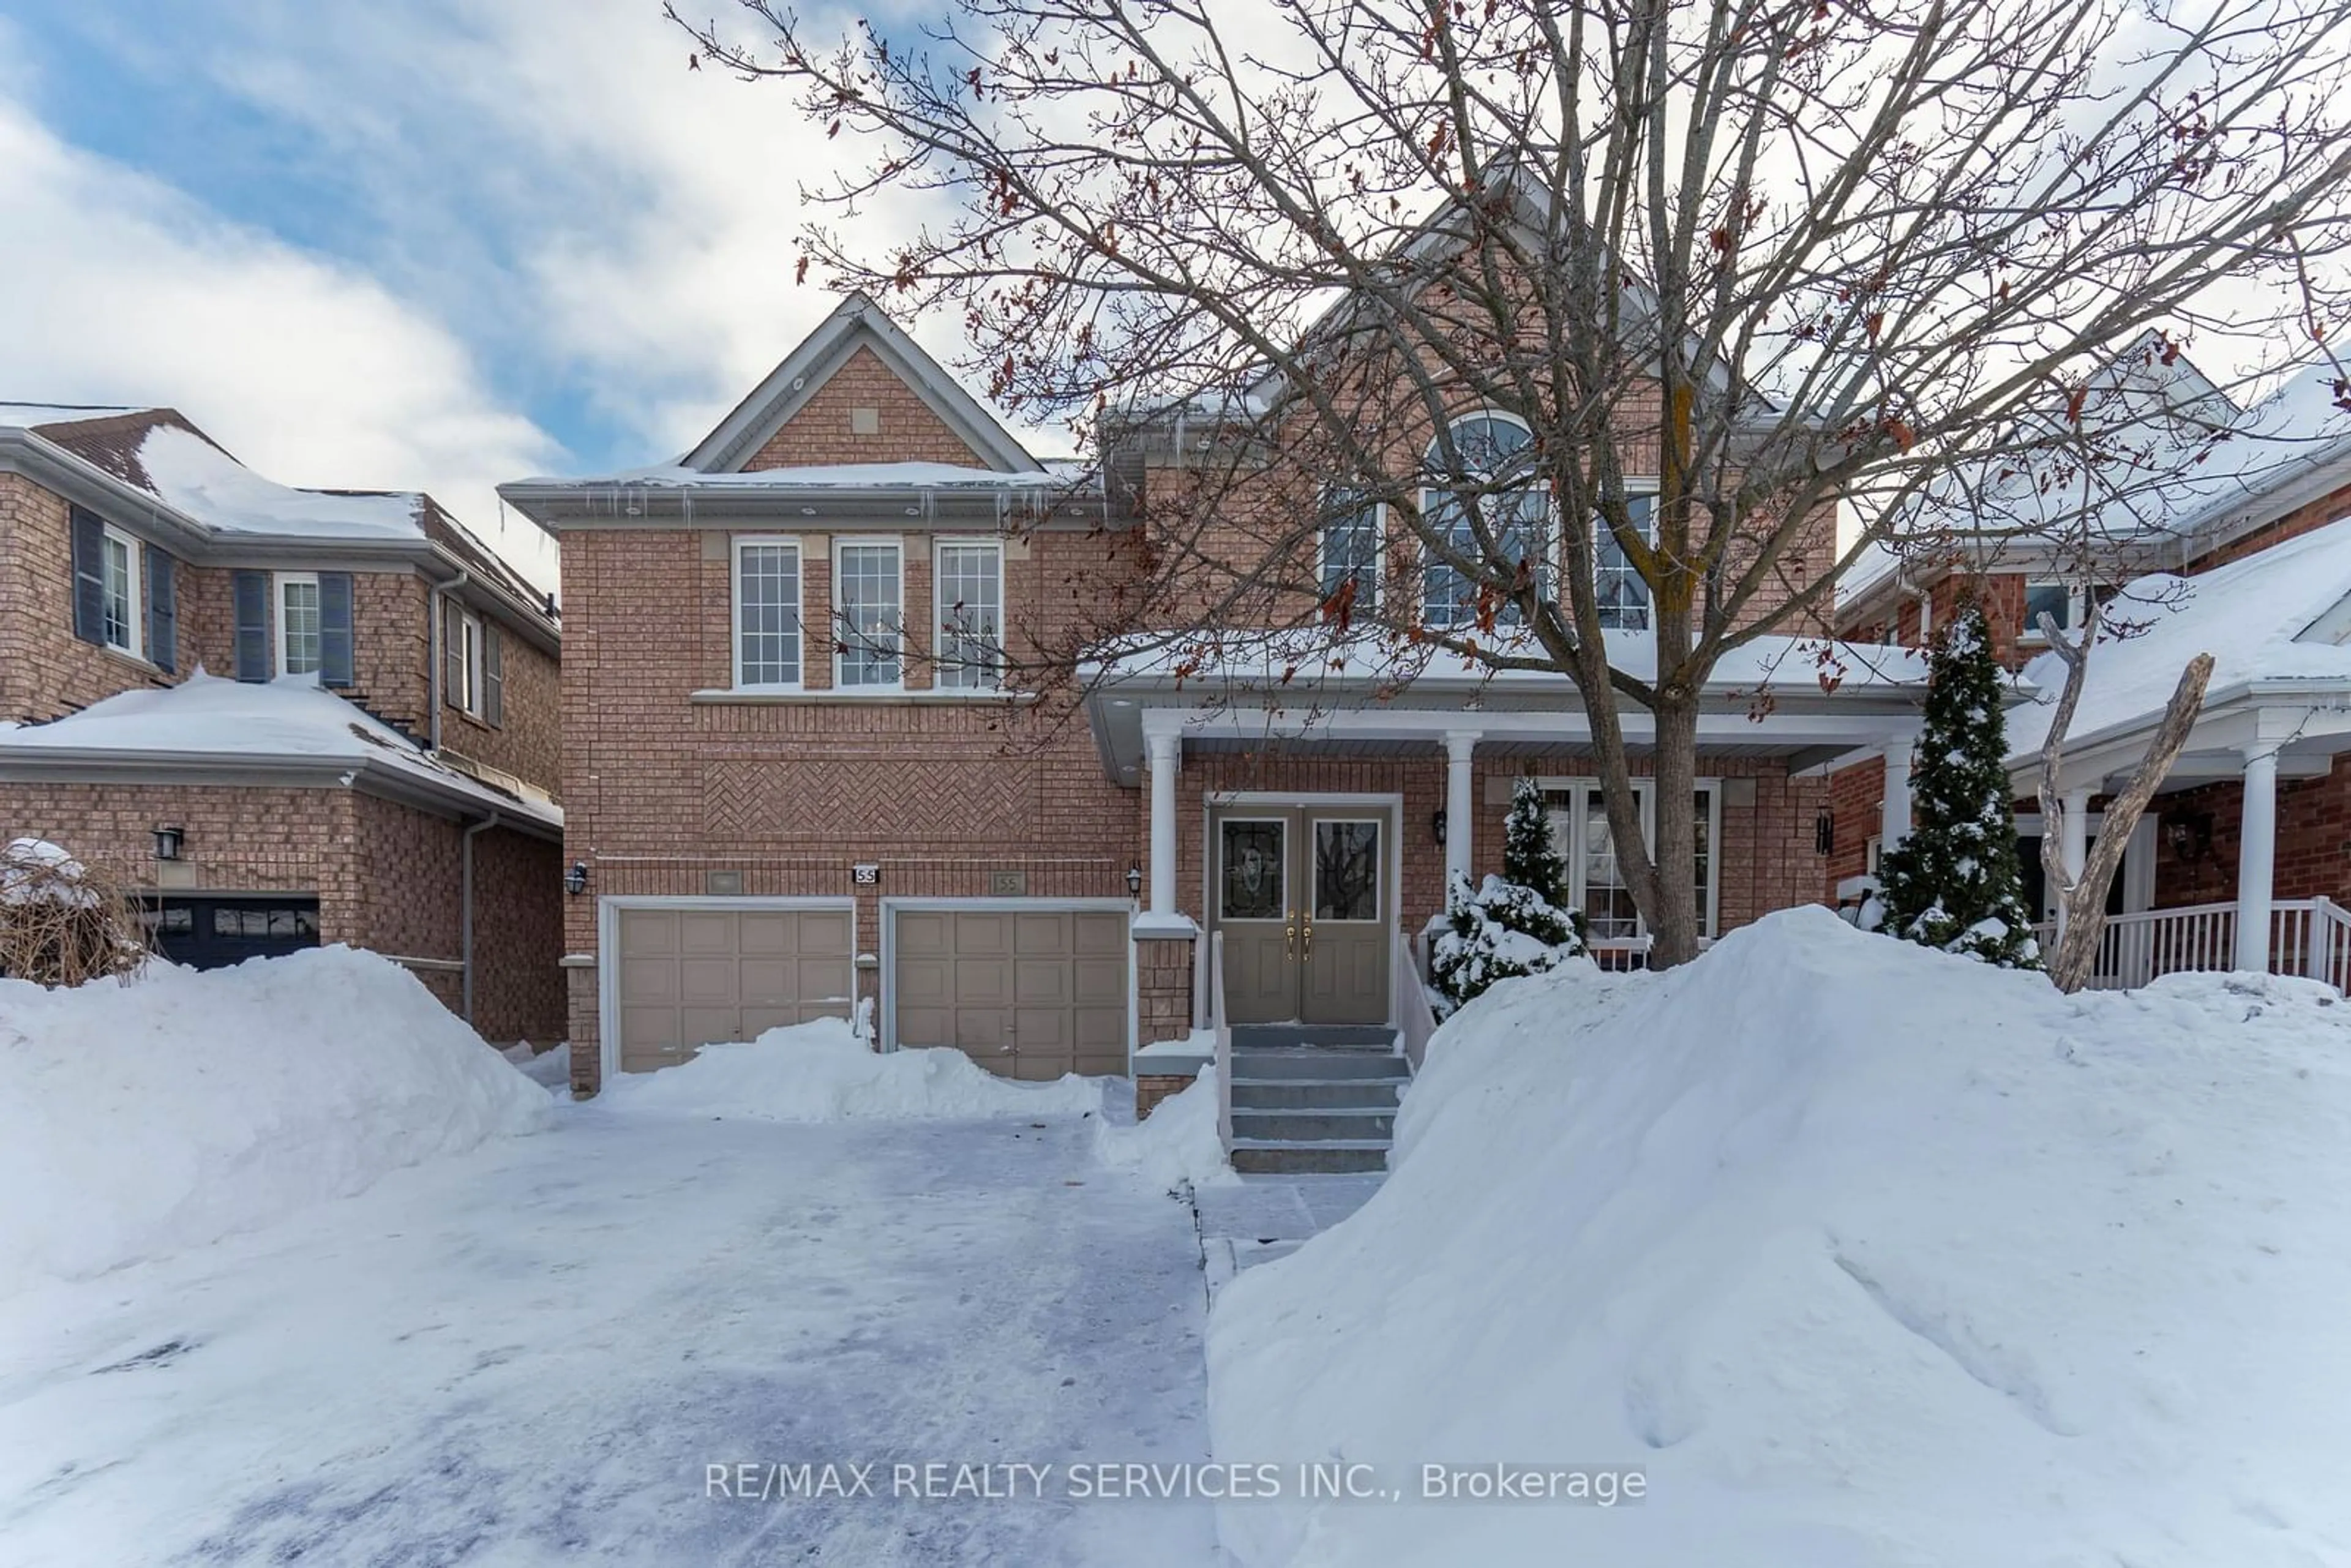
[
  {"x": 2248, "y": 538},
  {"x": 290, "y": 717},
  {"x": 796, "y": 786}
]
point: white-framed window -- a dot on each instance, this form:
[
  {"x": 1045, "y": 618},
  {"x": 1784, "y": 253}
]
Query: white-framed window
[
  {"x": 1597, "y": 883},
  {"x": 299, "y": 651},
  {"x": 1487, "y": 445},
  {"x": 868, "y": 611},
  {"x": 461, "y": 660},
  {"x": 1620, "y": 590},
  {"x": 768, "y": 647},
  {"x": 2050, "y": 596},
  {"x": 117, "y": 561},
  {"x": 1349, "y": 551},
  {"x": 968, "y": 582}
]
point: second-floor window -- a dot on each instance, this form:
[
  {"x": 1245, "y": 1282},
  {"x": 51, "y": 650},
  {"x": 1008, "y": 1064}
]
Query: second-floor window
[
  {"x": 1486, "y": 447},
  {"x": 969, "y": 588},
  {"x": 118, "y": 571},
  {"x": 1618, "y": 586},
  {"x": 1350, "y": 550},
  {"x": 868, "y": 619},
  {"x": 766, "y": 613},
  {"x": 299, "y": 645},
  {"x": 465, "y": 664}
]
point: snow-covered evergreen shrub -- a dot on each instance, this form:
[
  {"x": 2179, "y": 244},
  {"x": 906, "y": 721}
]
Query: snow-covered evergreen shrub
[
  {"x": 1954, "y": 883},
  {"x": 1509, "y": 925}
]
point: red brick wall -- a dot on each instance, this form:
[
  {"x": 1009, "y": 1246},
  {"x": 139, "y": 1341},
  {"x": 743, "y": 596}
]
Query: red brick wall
[
  {"x": 818, "y": 431},
  {"x": 2328, "y": 508},
  {"x": 1163, "y": 984},
  {"x": 386, "y": 876},
  {"x": 1856, "y": 801},
  {"x": 45, "y": 670},
  {"x": 2314, "y": 841}
]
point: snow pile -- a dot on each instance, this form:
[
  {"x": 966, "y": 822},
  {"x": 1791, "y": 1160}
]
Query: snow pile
[
  {"x": 1177, "y": 1143},
  {"x": 141, "y": 1119},
  {"x": 819, "y": 1071},
  {"x": 1865, "y": 1254},
  {"x": 34, "y": 871},
  {"x": 550, "y": 1069}
]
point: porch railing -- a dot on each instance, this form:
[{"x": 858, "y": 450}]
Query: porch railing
[
  {"x": 1416, "y": 1019},
  {"x": 2308, "y": 937},
  {"x": 1223, "y": 1024}
]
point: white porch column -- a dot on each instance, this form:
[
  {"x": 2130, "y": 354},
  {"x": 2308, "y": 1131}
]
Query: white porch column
[
  {"x": 1460, "y": 802},
  {"x": 1894, "y": 810},
  {"x": 2257, "y": 858},
  {"x": 2072, "y": 845},
  {"x": 1164, "y": 750}
]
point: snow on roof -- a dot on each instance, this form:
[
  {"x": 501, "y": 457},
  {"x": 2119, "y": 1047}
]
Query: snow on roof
[
  {"x": 830, "y": 477},
  {"x": 1295, "y": 659},
  {"x": 293, "y": 717},
  {"x": 194, "y": 476},
  {"x": 2251, "y": 615}
]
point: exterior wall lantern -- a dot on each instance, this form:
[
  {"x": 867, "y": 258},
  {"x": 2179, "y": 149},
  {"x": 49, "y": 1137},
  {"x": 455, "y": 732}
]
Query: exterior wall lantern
[
  {"x": 1824, "y": 833},
  {"x": 1437, "y": 826},
  {"x": 168, "y": 841},
  {"x": 1134, "y": 882},
  {"x": 575, "y": 880}
]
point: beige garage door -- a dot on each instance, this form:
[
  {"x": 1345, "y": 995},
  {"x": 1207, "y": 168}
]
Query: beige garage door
[
  {"x": 1028, "y": 993},
  {"x": 690, "y": 977}
]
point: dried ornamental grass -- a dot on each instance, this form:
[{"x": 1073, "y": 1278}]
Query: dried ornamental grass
[{"x": 61, "y": 922}]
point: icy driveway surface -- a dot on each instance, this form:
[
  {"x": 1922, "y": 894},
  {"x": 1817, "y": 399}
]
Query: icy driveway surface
[{"x": 531, "y": 1355}]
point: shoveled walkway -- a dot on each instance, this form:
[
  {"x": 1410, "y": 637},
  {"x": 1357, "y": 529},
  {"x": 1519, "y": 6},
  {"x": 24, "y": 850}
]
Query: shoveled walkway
[
  {"x": 537, "y": 1354},
  {"x": 1269, "y": 1217}
]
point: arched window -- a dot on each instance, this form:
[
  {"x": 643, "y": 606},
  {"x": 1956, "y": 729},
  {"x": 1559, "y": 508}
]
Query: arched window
[{"x": 1489, "y": 451}]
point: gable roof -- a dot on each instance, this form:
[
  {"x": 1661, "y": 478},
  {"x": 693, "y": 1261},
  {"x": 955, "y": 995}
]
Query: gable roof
[{"x": 856, "y": 323}]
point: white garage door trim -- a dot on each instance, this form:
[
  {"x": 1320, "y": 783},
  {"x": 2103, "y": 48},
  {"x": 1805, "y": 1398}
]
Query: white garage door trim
[
  {"x": 608, "y": 941},
  {"x": 891, "y": 906}
]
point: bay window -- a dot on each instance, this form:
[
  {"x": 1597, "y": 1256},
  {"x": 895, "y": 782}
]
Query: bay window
[{"x": 1597, "y": 883}]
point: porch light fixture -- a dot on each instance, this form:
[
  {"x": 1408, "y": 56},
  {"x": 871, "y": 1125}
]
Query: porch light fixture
[
  {"x": 168, "y": 841},
  {"x": 2190, "y": 836},
  {"x": 575, "y": 880},
  {"x": 1437, "y": 826},
  {"x": 1824, "y": 833},
  {"x": 1134, "y": 882}
]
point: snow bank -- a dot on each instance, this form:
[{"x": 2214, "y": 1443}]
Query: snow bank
[
  {"x": 138, "y": 1120},
  {"x": 1865, "y": 1254},
  {"x": 821, "y": 1073},
  {"x": 1176, "y": 1142}
]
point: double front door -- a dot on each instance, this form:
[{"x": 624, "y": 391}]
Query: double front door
[{"x": 1301, "y": 896}]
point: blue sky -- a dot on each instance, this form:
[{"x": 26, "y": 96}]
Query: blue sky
[{"x": 435, "y": 244}]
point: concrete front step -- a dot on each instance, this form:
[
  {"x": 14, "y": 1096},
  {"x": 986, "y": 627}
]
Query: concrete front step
[
  {"x": 1328, "y": 1036},
  {"x": 1311, "y": 1063},
  {"x": 1349, "y": 1124},
  {"x": 1260, "y": 1157},
  {"x": 1306, "y": 1094}
]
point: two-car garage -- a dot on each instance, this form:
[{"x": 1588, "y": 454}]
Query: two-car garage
[{"x": 1031, "y": 988}]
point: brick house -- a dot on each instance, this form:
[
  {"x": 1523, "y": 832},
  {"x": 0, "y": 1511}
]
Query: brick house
[
  {"x": 2242, "y": 550},
  {"x": 286, "y": 717},
  {"x": 798, "y": 783}
]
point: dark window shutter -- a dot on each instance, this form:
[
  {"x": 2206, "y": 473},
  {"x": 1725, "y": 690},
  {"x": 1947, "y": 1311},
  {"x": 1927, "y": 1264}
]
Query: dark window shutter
[
  {"x": 494, "y": 676},
  {"x": 88, "y": 577},
  {"x": 162, "y": 611},
  {"x": 335, "y": 628},
  {"x": 253, "y": 625}
]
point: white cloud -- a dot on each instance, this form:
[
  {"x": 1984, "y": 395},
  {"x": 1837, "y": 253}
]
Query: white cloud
[{"x": 121, "y": 290}]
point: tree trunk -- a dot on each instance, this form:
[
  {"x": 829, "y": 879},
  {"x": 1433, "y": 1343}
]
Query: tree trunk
[
  {"x": 2085, "y": 901},
  {"x": 1673, "y": 915}
]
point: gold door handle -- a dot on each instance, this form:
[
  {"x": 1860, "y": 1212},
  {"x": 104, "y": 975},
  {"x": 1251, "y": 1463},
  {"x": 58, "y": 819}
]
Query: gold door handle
[
  {"x": 1307, "y": 951},
  {"x": 1290, "y": 933}
]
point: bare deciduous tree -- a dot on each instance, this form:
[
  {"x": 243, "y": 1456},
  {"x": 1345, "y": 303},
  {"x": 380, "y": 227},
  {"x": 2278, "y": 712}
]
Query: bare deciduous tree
[{"x": 1729, "y": 268}]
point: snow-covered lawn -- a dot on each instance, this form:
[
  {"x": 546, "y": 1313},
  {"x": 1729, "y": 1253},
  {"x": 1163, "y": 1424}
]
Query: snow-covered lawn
[{"x": 531, "y": 1354}]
